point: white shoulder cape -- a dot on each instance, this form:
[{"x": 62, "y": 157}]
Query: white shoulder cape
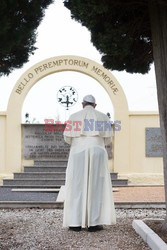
[{"x": 88, "y": 122}]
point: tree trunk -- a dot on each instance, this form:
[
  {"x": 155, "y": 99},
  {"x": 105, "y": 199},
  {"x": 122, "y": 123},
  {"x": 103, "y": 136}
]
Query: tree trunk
[{"x": 158, "y": 19}]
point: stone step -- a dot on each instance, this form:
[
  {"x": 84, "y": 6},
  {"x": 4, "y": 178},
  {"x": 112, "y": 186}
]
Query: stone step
[
  {"x": 6, "y": 194},
  {"x": 48, "y": 190},
  {"x": 40, "y": 175},
  {"x": 31, "y": 186},
  {"x": 36, "y": 182},
  {"x": 50, "y": 163},
  {"x": 31, "y": 204},
  {"x": 50, "y": 182},
  {"x": 44, "y": 169},
  {"x": 60, "y": 205},
  {"x": 114, "y": 176},
  {"x": 48, "y": 175},
  {"x": 52, "y": 169},
  {"x": 120, "y": 182}
]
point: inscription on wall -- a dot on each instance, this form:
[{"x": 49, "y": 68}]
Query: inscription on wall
[
  {"x": 41, "y": 144},
  {"x": 66, "y": 62},
  {"x": 154, "y": 142}
]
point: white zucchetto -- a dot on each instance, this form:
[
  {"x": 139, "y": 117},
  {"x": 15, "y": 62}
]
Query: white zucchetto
[{"x": 89, "y": 98}]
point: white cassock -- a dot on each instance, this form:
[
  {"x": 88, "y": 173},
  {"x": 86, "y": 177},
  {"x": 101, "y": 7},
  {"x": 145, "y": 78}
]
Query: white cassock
[{"x": 88, "y": 196}]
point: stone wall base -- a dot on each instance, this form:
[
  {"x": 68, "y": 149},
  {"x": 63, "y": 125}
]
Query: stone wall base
[{"x": 144, "y": 178}]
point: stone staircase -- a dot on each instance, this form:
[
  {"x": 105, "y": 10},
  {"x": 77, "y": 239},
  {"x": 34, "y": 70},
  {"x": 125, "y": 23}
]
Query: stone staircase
[{"x": 39, "y": 185}]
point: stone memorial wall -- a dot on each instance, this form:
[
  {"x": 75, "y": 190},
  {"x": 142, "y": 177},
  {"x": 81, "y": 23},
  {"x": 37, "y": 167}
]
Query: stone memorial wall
[
  {"x": 41, "y": 144},
  {"x": 44, "y": 145},
  {"x": 153, "y": 142}
]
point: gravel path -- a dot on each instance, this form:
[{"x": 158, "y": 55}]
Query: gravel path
[{"x": 41, "y": 229}]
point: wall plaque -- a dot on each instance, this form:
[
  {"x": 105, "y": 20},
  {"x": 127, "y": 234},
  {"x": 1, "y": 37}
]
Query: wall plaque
[
  {"x": 41, "y": 144},
  {"x": 154, "y": 142}
]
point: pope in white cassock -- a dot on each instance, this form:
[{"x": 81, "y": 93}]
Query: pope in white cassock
[{"x": 88, "y": 197}]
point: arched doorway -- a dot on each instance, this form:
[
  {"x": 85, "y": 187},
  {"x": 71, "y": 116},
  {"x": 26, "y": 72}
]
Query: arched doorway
[
  {"x": 60, "y": 64},
  {"x": 41, "y": 102}
]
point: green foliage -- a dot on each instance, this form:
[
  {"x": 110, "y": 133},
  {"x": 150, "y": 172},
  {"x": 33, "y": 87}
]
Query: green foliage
[
  {"x": 120, "y": 30},
  {"x": 19, "y": 20}
]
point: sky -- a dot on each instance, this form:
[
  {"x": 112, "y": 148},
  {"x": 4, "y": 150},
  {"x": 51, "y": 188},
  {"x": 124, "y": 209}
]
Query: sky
[{"x": 59, "y": 35}]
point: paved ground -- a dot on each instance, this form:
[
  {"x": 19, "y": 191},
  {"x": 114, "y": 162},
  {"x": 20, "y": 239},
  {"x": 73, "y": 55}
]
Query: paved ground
[
  {"x": 41, "y": 229},
  {"x": 38, "y": 229},
  {"x": 140, "y": 194}
]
